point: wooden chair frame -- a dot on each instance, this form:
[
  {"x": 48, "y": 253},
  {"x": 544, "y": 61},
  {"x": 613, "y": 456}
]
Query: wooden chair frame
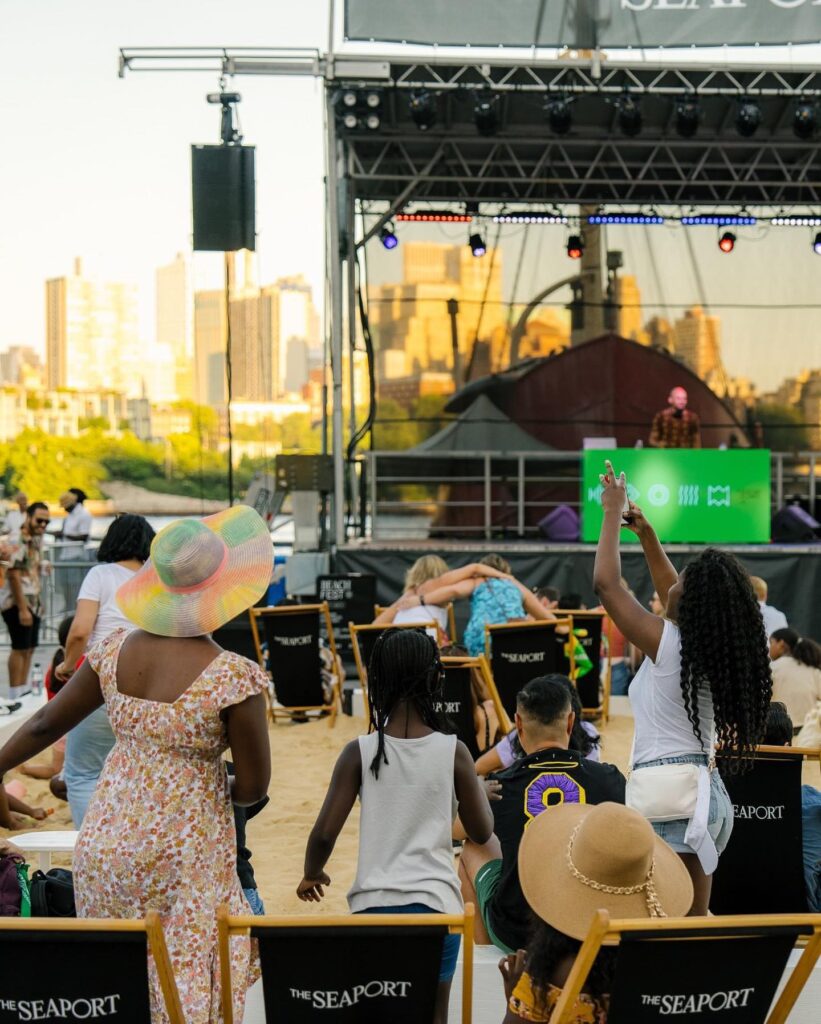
[
  {"x": 807, "y": 753},
  {"x": 538, "y": 624},
  {"x": 361, "y": 667},
  {"x": 481, "y": 665},
  {"x": 604, "y": 931},
  {"x": 281, "y": 711},
  {"x": 151, "y": 926},
  {"x": 456, "y": 924},
  {"x": 379, "y": 608},
  {"x": 578, "y": 615}
]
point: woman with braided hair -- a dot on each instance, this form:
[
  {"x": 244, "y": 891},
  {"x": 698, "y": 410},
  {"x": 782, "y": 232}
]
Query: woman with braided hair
[
  {"x": 411, "y": 780},
  {"x": 705, "y": 683}
]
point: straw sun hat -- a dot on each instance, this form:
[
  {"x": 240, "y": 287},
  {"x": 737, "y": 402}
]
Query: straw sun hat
[
  {"x": 576, "y": 859},
  {"x": 201, "y": 574}
]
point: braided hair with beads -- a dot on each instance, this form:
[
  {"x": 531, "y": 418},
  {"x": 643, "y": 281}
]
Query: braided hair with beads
[
  {"x": 724, "y": 649},
  {"x": 404, "y": 669}
]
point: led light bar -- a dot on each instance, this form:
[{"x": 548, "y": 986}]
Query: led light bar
[
  {"x": 436, "y": 216},
  {"x": 719, "y": 219},
  {"x": 526, "y": 217},
  {"x": 625, "y": 218},
  {"x": 796, "y": 222}
]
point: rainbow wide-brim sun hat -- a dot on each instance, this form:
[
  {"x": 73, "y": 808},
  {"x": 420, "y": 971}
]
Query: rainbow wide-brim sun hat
[{"x": 201, "y": 574}]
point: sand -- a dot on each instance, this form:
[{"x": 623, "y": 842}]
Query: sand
[{"x": 303, "y": 757}]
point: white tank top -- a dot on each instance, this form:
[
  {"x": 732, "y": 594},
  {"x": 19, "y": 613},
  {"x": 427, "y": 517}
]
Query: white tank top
[{"x": 405, "y": 826}]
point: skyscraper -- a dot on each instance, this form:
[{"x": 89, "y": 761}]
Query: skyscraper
[
  {"x": 92, "y": 339},
  {"x": 173, "y": 327},
  {"x": 209, "y": 347},
  {"x": 698, "y": 342}
]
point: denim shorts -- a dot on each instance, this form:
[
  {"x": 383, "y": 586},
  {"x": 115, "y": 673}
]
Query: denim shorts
[
  {"x": 450, "y": 949},
  {"x": 720, "y": 820}
]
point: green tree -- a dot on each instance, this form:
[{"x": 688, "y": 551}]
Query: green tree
[
  {"x": 300, "y": 433},
  {"x": 784, "y": 427}
]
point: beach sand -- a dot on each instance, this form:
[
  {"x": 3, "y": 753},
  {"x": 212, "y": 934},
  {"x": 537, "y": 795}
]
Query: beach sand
[{"x": 303, "y": 757}]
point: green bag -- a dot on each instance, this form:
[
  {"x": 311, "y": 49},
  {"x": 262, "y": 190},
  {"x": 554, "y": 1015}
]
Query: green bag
[{"x": 25, "y": 892}]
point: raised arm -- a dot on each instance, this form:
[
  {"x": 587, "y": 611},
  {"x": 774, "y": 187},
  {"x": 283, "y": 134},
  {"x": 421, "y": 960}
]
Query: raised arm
[
  {"x": 453, "y": 591},
  {"x": 467, "y": 572},
  {"x": 346, "y": 782},
  {"x": 662, "y": 570},
  {"x": 639, "y": 626}
]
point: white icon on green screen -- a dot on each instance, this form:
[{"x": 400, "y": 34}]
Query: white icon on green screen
[
  {"x": 688, "y": 494},
  {"x": 718, "y": 495},
  {"x": 658, "y": 494}
]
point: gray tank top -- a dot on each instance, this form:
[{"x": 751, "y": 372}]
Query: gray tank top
[{"x": 405, "y": 826}]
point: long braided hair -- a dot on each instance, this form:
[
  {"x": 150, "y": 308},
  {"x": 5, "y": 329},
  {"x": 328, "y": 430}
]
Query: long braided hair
[
  {"x": 404, "y": 667},
  {"x": 724, "y": 649}
]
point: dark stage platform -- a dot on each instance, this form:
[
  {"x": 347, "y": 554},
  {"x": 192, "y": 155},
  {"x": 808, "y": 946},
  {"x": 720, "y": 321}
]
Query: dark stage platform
[{"x": 793, "y": 572}]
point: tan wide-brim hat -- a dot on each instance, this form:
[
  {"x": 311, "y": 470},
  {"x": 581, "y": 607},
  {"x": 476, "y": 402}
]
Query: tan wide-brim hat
[{"x": 576, "y": 859}]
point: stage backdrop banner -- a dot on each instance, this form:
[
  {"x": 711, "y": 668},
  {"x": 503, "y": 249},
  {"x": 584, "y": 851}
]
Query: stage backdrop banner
[
  {"x": 693, "y": 495},
  {"x": 585, "y": 23}
]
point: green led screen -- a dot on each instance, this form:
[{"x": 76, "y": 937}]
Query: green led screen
[{"x": 704, "y": 495}]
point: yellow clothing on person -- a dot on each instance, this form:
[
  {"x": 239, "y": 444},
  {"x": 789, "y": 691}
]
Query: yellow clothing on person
[
  {"x": 526, "y": 1005},
  {"x": 159, "y": 831},
  {"x": 796, "y": 685}
]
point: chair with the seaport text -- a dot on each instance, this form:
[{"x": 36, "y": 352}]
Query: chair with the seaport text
[
  {"x": 519, "y": 651},
  {"x": 592, "y": 685},
  {"x": 458, "y": 697}
]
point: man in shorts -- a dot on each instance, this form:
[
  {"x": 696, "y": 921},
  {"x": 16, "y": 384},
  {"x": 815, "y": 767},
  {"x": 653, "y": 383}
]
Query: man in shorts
[
  {"x": 549, "y": 774},
  {"x": 20, "y": 596}
]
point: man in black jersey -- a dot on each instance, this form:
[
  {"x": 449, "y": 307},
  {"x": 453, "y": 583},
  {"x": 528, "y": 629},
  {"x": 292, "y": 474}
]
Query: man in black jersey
[{"x": 547, "y": 775}]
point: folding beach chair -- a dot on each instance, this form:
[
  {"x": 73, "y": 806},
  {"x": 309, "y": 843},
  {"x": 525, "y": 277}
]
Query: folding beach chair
[
  {"x": 379, "y": 608},
  {"x": 762, "y": 869},
  {"x": 363, "y": 968},
  {"x": 695, "y": 969},
  {"x": 457, "y": 698},
  {"x": 290, "y": 635},
  {"x": 520, "y": 651},
  {"x": 363, "y": 639},
  {"x": 83, "y": 969},
  {"x": 594, "y": 685}
]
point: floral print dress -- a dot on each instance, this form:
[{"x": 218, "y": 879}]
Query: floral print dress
[{"x": 159, "y": 832}]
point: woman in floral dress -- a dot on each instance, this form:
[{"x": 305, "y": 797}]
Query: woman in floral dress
[{"x": 159, "y": 830}]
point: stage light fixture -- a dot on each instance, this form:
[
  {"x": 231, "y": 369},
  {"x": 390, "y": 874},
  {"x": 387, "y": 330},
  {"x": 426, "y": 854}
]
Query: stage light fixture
[
  {"x": 387, "y": 236},
  {"x": 575, "y": 247},
  {"x": 747, "y": 118},
  {"x": 719, "y": 220},
  {"x": 486, "y": 115},
  {"x": 625, "y": 218},
  {"x": 435, "y": 216},
  {"x": 804, "y": 120},
  {"x": 816, "y": 245},
  {"x": 727, "y": 242},
  {"x": 557, "y": 111},
  {"x": 796, "y": 222},
  {"x": 349, "y": 98},
  {"x": 350, "y": 120},
  {"x": 688, "y": 115},
  {"x": 372, "y": 122},
  {"x": 373, "y": 99},
  {"x": 422, "y": 107},
  {"x": 477, "y": 245},
  {"x": 629, "y": 115},
  {"x": 527, "y": 217}
]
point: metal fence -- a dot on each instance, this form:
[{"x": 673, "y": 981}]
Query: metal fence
[
  {"x": 405, "y": 493},
  {"x": 60, "y": 586}
]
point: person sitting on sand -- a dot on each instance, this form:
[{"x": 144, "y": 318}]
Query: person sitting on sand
[{"x": 405, "y": 772}]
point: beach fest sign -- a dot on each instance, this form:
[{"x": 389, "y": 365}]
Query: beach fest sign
[
  {"x": 585, "y": 23},
  {"x": 79, "y": 977}
]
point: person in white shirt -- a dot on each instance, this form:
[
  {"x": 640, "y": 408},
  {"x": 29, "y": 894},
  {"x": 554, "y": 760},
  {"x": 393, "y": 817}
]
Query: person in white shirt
[
  {"x": 124, "y": 550},
  {"x": 796, "y": 673},
  {"x": 15, "y": 518},
  {"x": 773, "y": 618},
  {"x": 76, "y": 525}
]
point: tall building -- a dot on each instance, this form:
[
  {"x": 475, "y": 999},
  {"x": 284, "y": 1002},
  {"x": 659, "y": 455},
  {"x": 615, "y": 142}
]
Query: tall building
[
  {"x": 174, "y": 336},
  {"x": 209, "y": 347},
  {"x": 627, "y": 299},
  {"x": 297, "y": 328},
  {"x": 698, "y": 342},
  {"x": 92, "y": 339},
  {"x": 412, "y": 323},
  {"x": 20, "y": 364}
]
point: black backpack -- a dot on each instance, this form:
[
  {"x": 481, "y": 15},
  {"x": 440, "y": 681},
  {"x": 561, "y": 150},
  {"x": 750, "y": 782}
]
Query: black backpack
[{"x": 52, "y": 894}]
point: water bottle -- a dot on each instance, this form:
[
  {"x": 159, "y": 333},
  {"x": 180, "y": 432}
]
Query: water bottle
[{"x": 36, "y": 678}]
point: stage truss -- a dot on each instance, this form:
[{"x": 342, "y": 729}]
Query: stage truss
[{"x": 523, "y": 163}]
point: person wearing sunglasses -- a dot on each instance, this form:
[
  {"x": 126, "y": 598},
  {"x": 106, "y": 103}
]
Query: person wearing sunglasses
[{"x": 20, "y": 597}]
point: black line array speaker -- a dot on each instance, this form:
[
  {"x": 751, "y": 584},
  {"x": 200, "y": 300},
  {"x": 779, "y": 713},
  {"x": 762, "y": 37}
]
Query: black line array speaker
[{"x": 223, "y": 198}]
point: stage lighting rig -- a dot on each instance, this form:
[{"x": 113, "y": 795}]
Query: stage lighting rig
[
  {"x": 557, "y": 112},
  {"x": 575, "y": 247},
  {"x": 804, "y": 120},
  {"x": 230, "y": 134},
  {"x": 358, "y": 109},
  {"x": 387, "y": 236},
  {"x": 727, "y": 242},
  {"x": 477, "y": 245},
  {"x": 422, "y": 107},
  {"x": 629, "y": 113},
  {"x": 747, "y": 118},
  {"x": 486, "y": 114},
  {"x": 688, "y": 115}
]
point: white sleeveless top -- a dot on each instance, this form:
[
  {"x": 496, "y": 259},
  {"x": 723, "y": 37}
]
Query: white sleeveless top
[{"x": 405, "y": 825}]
